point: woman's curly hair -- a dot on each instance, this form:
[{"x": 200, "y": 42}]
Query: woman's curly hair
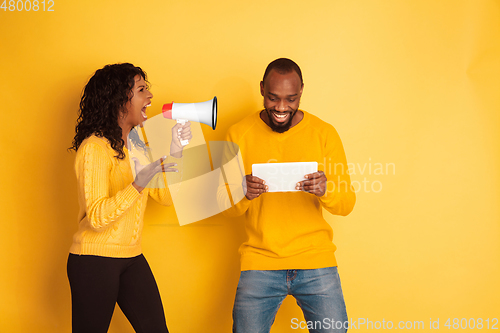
[{"x": 103, "y": 98}]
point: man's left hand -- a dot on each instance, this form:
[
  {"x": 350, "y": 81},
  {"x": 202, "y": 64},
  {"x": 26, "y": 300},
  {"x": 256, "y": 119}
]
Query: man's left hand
[{"x": 315, "y": 183}]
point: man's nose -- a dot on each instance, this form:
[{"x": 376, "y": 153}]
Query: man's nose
[{"x": 281, "y": 106}]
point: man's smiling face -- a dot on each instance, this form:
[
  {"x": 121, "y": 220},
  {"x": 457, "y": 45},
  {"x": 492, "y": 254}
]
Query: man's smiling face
[{"x": 281, "y": 92}]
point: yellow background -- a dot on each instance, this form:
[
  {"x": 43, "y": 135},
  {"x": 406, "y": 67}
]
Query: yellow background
[{"x": 414, "y": 83}]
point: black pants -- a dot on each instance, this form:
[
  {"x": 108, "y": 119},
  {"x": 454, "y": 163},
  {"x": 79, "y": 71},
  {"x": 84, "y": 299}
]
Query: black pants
[{"x": 98, "y": 283}]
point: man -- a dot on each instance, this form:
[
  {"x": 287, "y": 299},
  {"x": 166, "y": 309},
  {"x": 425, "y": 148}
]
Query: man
[{"x": 289, "y": 249}]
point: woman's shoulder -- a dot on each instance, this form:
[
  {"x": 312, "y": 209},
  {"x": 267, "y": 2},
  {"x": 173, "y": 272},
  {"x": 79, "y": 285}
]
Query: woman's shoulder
[
  {"x": 95, "y": 143},
  {"x": 94, "y": 152}
]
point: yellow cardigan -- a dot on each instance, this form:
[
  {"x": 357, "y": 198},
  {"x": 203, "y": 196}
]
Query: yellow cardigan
[{"x": 111, "y": 209}]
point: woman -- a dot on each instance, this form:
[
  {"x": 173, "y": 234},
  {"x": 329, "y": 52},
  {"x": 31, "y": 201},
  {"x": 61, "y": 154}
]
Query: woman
[{"x": 105, "y": 264}]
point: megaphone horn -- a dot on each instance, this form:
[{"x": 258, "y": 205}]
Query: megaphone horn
[{"x": 203, "y": 112}]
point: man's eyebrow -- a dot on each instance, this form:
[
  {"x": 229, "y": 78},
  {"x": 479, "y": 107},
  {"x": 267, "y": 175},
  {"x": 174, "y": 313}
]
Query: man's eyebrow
[{"x": 275, "y": 95}]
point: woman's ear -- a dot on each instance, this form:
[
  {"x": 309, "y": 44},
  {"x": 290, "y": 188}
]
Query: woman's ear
[{"x": 122, "y": 113}]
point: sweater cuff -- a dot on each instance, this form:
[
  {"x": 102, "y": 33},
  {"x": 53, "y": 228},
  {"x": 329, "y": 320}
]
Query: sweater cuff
[
  {"x": 327, "y": 198},
  {"x": 243, "y": 204},
  {"x": 130, "y": 193}
]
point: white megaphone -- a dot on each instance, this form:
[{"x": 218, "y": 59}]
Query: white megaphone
[{"x": 203, "y": 112}]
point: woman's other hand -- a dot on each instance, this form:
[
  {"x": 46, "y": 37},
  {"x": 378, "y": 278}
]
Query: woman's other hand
[{"x": 144, "y": 173}]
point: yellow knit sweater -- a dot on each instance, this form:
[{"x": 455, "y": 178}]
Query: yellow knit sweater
[
  {"x": 286, "y": 230},
  {"x": 111, "y": 209}
]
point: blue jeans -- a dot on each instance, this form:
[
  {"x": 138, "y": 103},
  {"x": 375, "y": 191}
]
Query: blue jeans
[{"x": 317, "y": 292}]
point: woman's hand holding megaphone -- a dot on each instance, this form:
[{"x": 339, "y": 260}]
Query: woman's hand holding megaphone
[
  {"x": 144, "y": 173},
  {"x": 180, "y": 132}
]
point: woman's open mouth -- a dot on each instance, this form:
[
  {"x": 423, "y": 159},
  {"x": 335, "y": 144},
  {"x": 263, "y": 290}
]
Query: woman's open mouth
[{"x": 143, "y": 111}]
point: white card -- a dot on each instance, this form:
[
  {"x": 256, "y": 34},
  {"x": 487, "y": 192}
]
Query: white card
[{"x": 283, "y": 177}]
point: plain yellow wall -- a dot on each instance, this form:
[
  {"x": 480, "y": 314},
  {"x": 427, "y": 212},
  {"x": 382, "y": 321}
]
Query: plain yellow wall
[{"x": 410, "y": 85}]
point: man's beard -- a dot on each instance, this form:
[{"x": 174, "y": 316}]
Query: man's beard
[{"x": 280, "y": 127}]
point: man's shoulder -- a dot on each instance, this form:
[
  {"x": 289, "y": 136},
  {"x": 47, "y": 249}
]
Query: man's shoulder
[
  {"x": 242, "y": 127},
  {"x": 319, "y": 124}
]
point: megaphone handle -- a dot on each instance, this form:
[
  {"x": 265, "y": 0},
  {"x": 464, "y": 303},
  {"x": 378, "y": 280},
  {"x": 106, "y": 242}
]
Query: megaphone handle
[{"x": 182, "y": 121}]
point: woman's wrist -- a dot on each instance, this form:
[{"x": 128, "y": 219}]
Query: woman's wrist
[
  {"x": 175, "y": 151},
  {"x": 137, "y": 187}
]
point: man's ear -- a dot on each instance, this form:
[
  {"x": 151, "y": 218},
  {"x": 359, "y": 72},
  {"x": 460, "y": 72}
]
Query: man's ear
[{"x": 262, "y": 88}]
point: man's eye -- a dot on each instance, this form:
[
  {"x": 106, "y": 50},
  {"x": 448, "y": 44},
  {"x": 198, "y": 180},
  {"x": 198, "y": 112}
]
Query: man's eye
[
  {"x": 291, "y": 100},
  {"x": 272, "y": 99}
]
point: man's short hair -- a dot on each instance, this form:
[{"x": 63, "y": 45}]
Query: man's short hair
[{"x": 283, "y": 66}]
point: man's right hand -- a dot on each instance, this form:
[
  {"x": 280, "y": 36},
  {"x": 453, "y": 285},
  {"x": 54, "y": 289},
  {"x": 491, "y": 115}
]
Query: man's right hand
[{"x": 254, "y": 187}]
